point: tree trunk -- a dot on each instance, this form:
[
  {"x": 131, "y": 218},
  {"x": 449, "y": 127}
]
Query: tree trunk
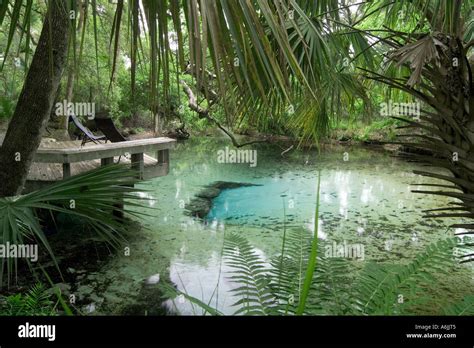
[
  {"x": 157, "y": 124},
  {"x": 64, "y": 120},
  {"x": 34, "y": 105},
  {"x": 72, "y": 74}
]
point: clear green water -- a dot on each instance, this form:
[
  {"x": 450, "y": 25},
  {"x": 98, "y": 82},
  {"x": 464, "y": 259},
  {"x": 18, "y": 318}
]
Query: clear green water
[{"x": 364, "y": 200}]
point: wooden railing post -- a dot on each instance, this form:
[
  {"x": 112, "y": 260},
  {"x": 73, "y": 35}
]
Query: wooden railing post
[
  {"x": 138, "y": 164},
  {"x": 106, "y": 161},
  {"x": 163, "y": 156},
  {"x": 66, "y": 170}
]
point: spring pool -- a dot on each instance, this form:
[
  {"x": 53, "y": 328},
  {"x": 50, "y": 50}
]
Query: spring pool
[{"x": 365, "y": 199}]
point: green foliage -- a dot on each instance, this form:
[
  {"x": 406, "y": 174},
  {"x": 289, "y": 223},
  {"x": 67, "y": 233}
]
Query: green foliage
[
  {"x": 311, "y": 264},
  {"x": 379, "y": 287},
  {"x": 464, "y": 307},
  {"x": 309, "y": 61},
  {"x": 91, "y": 196},
  {"x": 276, "y": 288},
  {"x": 384, "y": 129},
  {"x": 385, "y": 126},
  {"x": 287, "y": 270},
  {"x": 281, "y": 61},
  {"x": 6, "y": 108},
  {"x": 37, "y": 301},
  {"x": 327, "y": 293},
  {"x": 376, "y": 290},
  {"x": 250, "y": 272}
]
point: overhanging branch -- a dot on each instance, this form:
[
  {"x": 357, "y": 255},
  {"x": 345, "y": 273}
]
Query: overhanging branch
[{"x": 204, "y": 113}]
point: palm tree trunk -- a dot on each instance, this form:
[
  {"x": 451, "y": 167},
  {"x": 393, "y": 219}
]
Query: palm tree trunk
[{"x": 35, "y": 103}]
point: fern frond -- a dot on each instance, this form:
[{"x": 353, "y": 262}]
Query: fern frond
[
  {"x": 250, "y": 272},
  {"x": 330, "y": 288},
  {"x": 379, "y": 287},
  {"x": 36, "y": 299},
  {"x": 464, "y": 307},
  {"x": 287, "y": 271}
]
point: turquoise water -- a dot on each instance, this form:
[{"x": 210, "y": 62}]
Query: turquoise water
[{"x": 366, "y": 198}]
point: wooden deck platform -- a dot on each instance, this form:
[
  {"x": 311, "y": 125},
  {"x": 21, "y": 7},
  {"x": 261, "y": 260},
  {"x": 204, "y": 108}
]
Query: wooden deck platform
[{"x": 56, "y": 160}]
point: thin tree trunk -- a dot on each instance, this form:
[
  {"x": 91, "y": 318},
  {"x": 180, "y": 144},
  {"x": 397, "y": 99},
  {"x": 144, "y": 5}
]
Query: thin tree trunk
[
  {"x": 157, "y": 124},
  {"x": 71, "y": 77},
  {"x": 34, "y": 105}
]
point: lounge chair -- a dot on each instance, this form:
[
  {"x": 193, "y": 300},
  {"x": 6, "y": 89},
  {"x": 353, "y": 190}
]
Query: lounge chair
[
  {"x": 107, "y": 127},
  {"x": 87, "y": 135}
]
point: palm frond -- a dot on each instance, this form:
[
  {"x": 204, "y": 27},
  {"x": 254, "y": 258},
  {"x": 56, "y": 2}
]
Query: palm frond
[{"x": 92, "y": 197}]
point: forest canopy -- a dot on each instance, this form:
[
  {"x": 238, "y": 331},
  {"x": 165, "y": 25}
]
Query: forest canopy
[{"x": 261, "y": 65}]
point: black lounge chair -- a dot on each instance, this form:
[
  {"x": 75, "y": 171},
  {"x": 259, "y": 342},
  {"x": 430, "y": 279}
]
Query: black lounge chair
[
  {"x": 107, "y": 127},
  {"x": 87, "y": 135}
]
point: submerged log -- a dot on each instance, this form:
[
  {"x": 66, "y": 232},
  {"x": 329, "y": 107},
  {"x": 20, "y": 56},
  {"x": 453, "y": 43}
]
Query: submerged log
[{"x": 201, "y": 204}]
